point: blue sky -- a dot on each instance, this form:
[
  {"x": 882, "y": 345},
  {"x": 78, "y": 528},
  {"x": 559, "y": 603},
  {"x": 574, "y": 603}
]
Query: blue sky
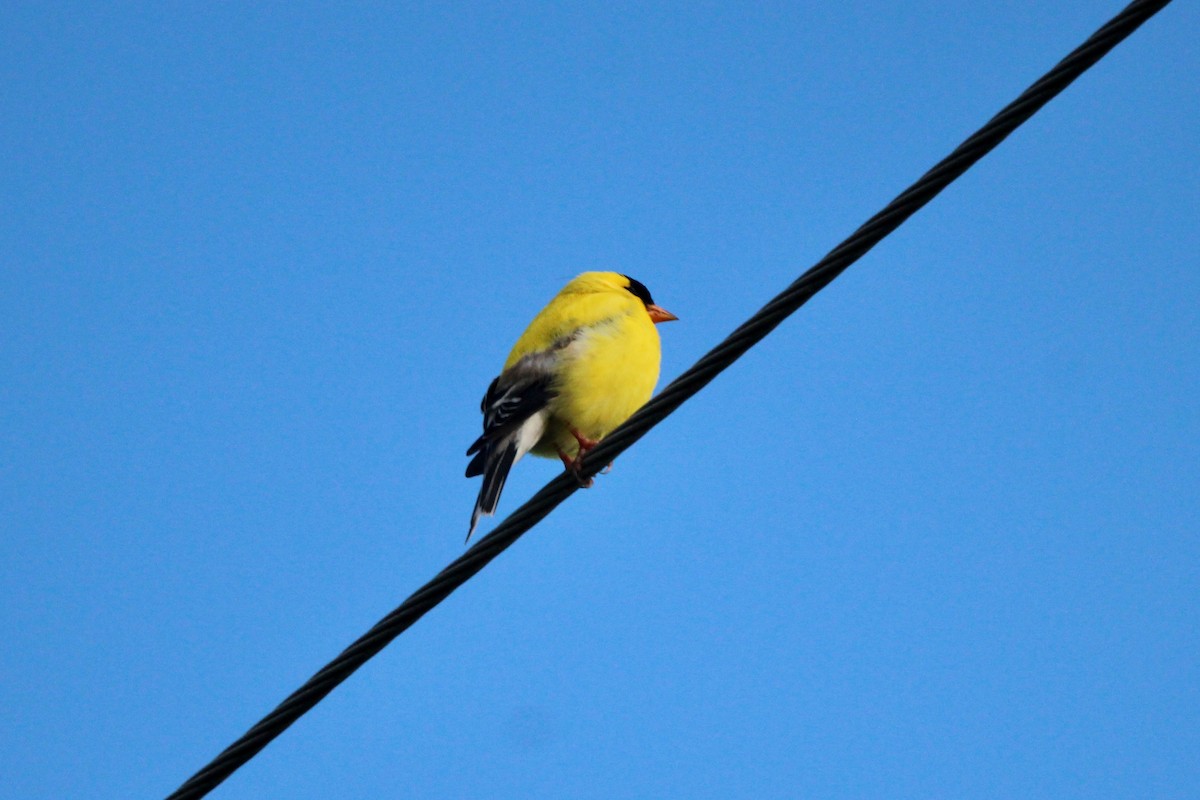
[{"x": 936, "y": 537}]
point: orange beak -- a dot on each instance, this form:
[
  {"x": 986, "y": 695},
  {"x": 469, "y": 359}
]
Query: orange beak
[{"x": 659, "y": 314}]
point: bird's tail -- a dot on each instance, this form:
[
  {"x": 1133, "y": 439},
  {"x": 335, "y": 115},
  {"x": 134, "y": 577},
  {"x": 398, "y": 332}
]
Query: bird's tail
[{"x": 497, "y": 461}]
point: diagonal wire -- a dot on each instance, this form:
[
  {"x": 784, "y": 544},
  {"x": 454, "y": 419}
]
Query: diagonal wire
[{"x": 689, "y": 383}]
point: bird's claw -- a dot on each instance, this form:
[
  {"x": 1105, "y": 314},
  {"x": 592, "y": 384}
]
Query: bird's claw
[
  {"x": 574, "y": 466},
  {"x": 585, "y": 444}
]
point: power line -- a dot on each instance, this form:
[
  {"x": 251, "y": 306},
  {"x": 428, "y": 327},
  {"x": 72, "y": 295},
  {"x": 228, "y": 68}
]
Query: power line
[{"x": 689, "y": 383}]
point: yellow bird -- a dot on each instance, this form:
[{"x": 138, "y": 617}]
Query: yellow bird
[{"x": 588, "y": 360}]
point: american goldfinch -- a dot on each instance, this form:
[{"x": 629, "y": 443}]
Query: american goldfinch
[{"x": 587, "y": 361}]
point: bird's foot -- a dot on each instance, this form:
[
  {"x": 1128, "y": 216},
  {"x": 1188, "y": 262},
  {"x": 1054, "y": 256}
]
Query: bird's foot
[
  {"x": 573, "y": 466},
  {"x": 585, "y": 444}
]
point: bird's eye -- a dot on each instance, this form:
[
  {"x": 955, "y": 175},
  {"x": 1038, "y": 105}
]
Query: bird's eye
[{"x": 639, "y": 290}]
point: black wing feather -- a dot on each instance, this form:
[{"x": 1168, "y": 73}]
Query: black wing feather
[{"x": 505, "y": 408}]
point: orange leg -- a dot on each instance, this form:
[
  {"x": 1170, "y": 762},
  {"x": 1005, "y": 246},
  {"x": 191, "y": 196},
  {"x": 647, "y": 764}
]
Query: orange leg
[
  {"x": 572, "y": 465},
  {"x": 585, "y": 443}
]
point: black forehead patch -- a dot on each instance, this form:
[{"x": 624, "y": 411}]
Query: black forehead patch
[{"x": 639, "y": 290}]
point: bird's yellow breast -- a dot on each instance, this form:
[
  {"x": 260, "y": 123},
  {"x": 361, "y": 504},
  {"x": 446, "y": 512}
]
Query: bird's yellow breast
[
  {"x": 609, "y": 357},
  {"x": 609, "y": 375}
]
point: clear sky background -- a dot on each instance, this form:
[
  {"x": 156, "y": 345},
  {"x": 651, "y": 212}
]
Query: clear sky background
[{"x": 935, "y": 538}]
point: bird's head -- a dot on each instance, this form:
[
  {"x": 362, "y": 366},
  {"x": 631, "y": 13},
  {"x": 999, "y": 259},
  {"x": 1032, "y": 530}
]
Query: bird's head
[
  {"x": 615, "y": 281},
  {"x": 638, "y": 289}
]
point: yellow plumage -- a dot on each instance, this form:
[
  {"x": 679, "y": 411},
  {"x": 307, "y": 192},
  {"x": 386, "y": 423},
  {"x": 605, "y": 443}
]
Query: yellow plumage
[
  {"x": 586, "y": 362},
  {"x": 607, "y": 374}
]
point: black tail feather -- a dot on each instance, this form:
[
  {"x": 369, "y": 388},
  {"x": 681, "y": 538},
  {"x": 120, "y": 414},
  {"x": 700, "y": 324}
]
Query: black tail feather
[
  {"x": 477, "y": 463},
  {"x": 495, "y": 467}
]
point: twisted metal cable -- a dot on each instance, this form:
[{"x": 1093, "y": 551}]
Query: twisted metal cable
[{"x": 682, "y": 388}]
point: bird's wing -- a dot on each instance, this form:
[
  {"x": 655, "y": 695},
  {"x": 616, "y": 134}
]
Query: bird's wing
[
  {"x": 514, "y": 417},
  {"x": 513, "y": 397}
]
